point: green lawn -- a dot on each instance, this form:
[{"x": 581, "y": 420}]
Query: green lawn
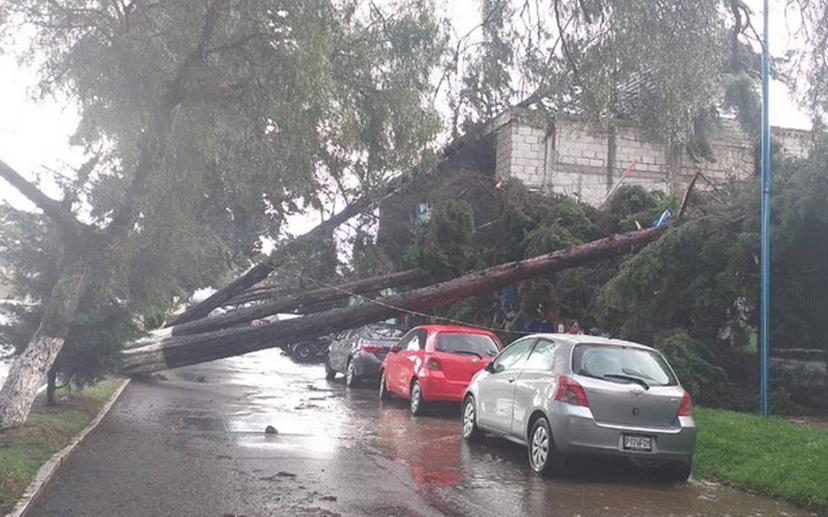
[
  {"x": 25, "y": 449},
  {"x": 769, "y": 456}
]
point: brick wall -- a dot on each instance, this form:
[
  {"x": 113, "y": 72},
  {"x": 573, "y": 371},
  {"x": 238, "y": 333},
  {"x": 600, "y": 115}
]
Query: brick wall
[{"x": 584, "y": 160}]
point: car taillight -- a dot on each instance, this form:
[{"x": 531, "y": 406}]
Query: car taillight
[
  {"x": 570, "y": 392},
  {"x": 371, "y": 348},
  {"x": 433, "y": 364},
  {"x": 686, "y": 406}
]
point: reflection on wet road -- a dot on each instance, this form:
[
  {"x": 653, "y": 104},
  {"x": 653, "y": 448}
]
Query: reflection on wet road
[{"x": 193, "y": 444}]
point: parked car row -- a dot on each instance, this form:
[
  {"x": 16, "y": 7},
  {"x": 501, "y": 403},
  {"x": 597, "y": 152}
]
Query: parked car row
[{"x": 560, "y": 395}]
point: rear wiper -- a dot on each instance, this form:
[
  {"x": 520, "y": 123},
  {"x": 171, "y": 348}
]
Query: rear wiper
[
  {"x": 630, "y": 378},
  {"x": 467, "y": 352}
]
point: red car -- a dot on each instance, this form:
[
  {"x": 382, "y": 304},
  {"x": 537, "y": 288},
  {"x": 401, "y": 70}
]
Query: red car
[{"x": 435, "y": 363}]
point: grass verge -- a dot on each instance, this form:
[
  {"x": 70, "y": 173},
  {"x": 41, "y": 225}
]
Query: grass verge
[
  {"x": 769, "y": 456},
  {"x": 23, "y": 450}
]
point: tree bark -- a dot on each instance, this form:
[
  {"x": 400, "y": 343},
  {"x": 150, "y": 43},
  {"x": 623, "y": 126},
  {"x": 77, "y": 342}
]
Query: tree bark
[
  {"x": 297, "y": 301},
  {"x": 51, "y": 387},
  {"x": 163, "y": 350},
  {"x": 326, "y": 294},
  {"x": 29, "y": 369}
]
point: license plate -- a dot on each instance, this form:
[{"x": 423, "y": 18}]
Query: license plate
[{"x": 638, "y": 443}]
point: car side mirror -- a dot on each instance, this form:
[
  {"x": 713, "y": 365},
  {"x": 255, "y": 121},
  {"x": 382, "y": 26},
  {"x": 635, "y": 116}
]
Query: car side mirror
[
  {"x": 394, "y": 349},
  {"x": 490, "y": 367}
]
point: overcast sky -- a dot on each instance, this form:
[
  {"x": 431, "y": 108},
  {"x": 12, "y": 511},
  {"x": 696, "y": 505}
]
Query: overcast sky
[{"x": 34, "y": 133}]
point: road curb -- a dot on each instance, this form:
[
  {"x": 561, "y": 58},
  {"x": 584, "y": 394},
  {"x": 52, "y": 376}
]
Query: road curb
[{"x": 48, "y": 469}]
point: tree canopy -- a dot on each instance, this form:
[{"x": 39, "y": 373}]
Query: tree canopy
[{"x": 272, "y": 106}]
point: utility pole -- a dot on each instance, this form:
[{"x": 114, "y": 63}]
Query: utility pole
[{"x": 764, "y": 286}]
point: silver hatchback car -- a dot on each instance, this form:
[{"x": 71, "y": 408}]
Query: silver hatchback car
[{"x": 563, "y": 394}]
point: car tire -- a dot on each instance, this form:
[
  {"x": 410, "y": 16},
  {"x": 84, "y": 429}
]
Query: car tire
[
  {"x": 351, "y": 378},
  {"x": 330, "y": 373},
  {"x": 415, "y": 399},
  {"x": 304, "y": 352},
  {"x": 544, "y": 457},
  {"x": 468, "y": 421},
  {"x": 384, "y": 394},
  {"x": 677, "y": 471}
]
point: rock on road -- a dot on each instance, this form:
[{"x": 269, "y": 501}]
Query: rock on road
[{"x": 193, "y": 443}]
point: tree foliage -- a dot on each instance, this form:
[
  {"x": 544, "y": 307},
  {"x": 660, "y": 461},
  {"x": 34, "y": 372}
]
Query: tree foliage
[
  {"x": 670, "y": 66},
  {"x": 206, "y": 125},
  {"x": 32, "y": 263},
  {"x": 277, "y": 103}
]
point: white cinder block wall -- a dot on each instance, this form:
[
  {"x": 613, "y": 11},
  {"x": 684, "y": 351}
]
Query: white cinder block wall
[{"x": 571, "y": 157}]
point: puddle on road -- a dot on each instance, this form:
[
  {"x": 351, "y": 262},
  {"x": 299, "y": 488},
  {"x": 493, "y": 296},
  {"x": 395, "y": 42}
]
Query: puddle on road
[{"x": 319, "y": 419}]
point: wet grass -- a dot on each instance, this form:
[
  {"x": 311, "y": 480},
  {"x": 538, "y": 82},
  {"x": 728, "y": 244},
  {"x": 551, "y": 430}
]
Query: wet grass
[
  {"x": 769, "y": 456},
  {"x": 23, "y": 450}
]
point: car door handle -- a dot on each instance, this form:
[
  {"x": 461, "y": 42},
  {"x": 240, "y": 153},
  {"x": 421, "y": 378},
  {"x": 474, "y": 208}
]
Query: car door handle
[{"x": 512, "y": 379}]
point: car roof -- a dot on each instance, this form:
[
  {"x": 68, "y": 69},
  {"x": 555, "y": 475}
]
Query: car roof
[
  {"x": 454, "y": 328},
  {"x": 576, "y": 339}
]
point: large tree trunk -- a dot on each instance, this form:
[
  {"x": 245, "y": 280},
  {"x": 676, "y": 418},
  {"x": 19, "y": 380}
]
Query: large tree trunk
[
  {"x": 297, "y": 301},
  {"x": 163, "y": 350},
  {"x": 28, "y": 371},
  {"x": 339, "y": 292}
]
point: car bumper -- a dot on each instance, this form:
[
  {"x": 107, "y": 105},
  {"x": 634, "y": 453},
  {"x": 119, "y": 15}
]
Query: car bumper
[
  {"x": 575, "y": 431},
  {"x": 367, "y": 366},
  {"x": 440, "y": 389}
]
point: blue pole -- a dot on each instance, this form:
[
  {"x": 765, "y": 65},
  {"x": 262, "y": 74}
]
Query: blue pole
[{"x": 764, "y": 315}]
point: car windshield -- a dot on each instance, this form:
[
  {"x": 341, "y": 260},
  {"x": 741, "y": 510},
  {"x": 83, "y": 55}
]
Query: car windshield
[
  {"x": 622, "y": 364},
  {"x": 459, "y": 343}
]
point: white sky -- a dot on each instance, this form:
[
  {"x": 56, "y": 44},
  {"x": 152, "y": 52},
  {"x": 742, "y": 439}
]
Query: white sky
[{"x": 34, "y": 133}]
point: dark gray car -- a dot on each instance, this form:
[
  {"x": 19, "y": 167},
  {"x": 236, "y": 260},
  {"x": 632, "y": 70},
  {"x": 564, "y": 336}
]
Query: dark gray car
[{"x": 359, "y": 352}]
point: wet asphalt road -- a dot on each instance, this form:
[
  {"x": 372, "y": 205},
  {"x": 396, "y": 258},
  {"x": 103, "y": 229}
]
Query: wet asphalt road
[{"x": 193, "y": 444}]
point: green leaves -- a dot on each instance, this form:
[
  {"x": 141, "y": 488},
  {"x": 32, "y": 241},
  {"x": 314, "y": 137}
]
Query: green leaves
[{"x": 274, "y": 107}]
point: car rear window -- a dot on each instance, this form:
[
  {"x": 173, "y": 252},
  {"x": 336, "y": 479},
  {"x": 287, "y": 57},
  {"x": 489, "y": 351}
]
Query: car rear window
[
  {"x": 459, "y": 343},
  {"x": 380, "y": 332},
  {"x": 622, "y": 364}
]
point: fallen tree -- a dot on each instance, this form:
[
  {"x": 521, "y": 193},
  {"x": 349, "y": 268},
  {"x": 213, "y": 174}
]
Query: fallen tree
[
  {"x": 227, "y": 294},
  {"x": 307, "y": 299},
  {"x": 165, "y": 349}
]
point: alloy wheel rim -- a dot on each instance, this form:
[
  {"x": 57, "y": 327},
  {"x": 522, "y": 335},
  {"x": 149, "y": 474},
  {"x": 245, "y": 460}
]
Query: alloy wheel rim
[
  {"x": 540, "y": 446},
  {"x": 468, "y": 419}
]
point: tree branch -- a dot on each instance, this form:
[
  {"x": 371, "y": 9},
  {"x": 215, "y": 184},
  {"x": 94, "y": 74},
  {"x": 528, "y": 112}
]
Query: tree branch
[
  {"x": 50, "y": 207},
  {"x": 261, "y": 270},
  {"x": 153, "y": 153}
]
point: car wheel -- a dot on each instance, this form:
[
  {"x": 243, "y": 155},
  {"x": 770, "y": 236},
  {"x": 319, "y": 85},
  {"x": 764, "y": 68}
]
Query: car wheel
[
  {"x": 330, "y": 373},
  {"x": 351, "y": 378},
  {"x": 677, "y": 471},
  {"x": 471, "y": 432},
  {"x": 544, "y": 458},
  {"x": 416, "y": 401},
  {"x": 304, "y": 352},
  {"x": 384, "y": 394}
]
